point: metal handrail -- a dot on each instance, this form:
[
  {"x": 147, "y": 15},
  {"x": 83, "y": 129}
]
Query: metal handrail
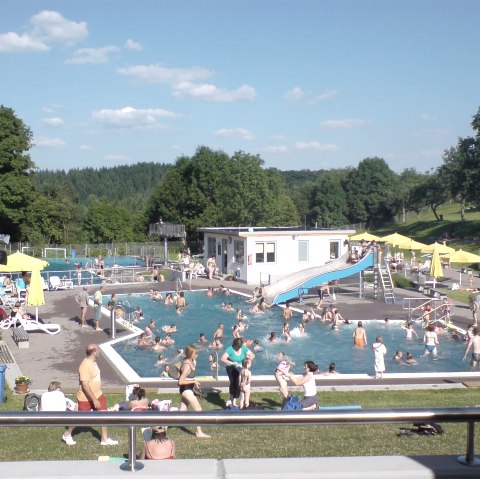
[{"x": 470, "y": 415}]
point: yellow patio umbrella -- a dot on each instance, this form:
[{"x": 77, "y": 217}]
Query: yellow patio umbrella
[
  {"x": 394, "y": 239},
  {"x": 440, "y": 247},
  {"x": 364, "y": 237},
  {"x": 436, "y": 270},
  {"x": 22, "y": 262},
  {"x": 463, "y": 257},
  {"x": 411, "y": 244}
]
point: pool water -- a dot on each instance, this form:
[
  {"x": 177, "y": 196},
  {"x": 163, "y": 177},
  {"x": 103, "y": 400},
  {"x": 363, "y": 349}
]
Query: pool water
[
  {"x": 65, "y": 268},
  {"x": 320, "y": 344}
]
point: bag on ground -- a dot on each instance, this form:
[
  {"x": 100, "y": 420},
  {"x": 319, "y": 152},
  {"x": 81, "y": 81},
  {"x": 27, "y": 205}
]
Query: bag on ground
[{"x": 292, "y": 404}]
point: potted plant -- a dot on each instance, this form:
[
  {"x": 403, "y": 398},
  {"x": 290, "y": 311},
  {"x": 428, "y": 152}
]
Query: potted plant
[{"x": 21, "y": 384}]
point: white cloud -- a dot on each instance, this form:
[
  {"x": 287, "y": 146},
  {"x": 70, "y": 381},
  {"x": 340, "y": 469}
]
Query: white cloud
[
  {"x": 315, "y": 146},
  {"x": 84, "y": 147},
  {"x": 161, "y": 74},
  {"x": 342, "y": 124},
  {"x": 13, "y": 42},
  {"x": 211, "y": 92},
  {"x": 45, "y": 142},
  {"x": 132, "y": 118},
  {"x": 132, "y": 45},
  {"x": 242, "y": 133},
  {"x": 45, "y": 29},
  {"x": 186, "y": 82},
  {"x": 54, "y": 29},
  {"x": 294, "y": 94},
  {"x": 274, "y": 149},
  {"x": 426, "y": 117},
  {"x": 326, "y": 95},
  {"x": 92, "y": 55},
  {"x": 53, "y": 121},
  {"x": 431, "y": 134},
  {"x": 116, "y": 158}
]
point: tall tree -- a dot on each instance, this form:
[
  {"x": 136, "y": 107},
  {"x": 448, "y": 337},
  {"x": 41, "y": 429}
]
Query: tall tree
[
  {"x": 328, "y": 201},
  {"x": 409, "y": 179},
  {"x": 461, "y": 167},
  {"x": 16, "y": 185},
  {"x": 213, "y": 189},
  {"x": 372, "y": 195}
]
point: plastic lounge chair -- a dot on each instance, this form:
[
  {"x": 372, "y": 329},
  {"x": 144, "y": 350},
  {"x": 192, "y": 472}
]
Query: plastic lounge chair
[
  {"x": 32, "y": 325},
  {"x": 56, "y": 283},
  {"x": 9, "y": 321}
]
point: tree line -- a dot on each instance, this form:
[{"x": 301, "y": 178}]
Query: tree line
[{"x": 212, "y": 188}]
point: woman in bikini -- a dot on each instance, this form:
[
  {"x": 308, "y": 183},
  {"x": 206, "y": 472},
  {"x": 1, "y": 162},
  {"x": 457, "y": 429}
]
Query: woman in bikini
[{"x": 187, "y": 383}]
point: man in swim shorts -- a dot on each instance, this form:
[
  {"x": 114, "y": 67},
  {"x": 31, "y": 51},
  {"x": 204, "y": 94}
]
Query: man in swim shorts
[{"x": 360, "y": 335}]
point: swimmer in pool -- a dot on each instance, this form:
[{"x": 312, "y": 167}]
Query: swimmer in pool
[
  {"x": 430, "y": 340},
  {"x": 240, "y": 315},
  {"x": 409, "y": 359},
  {"x": 168, "y": 299},
  {"x": 158, "y": 346},
  {"x": 409, "y": 331},
  {"x": 180, "y": 302},
  {"x": 359, "y": 335},
  {"x": 202, "y": 338},
  {"x": 286, "y": 332},
  {"x": 273, "y": 337}
]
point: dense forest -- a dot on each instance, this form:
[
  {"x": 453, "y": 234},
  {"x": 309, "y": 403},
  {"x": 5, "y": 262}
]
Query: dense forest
[
  {"x": 128, "y": 184},
  {"x": 212, "y": 188}
]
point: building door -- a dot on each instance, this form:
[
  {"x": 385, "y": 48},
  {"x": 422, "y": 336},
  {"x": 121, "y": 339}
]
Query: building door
[{"x": 224, "y": 256}]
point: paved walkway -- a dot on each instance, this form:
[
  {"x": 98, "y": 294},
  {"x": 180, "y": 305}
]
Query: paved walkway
[{"x": 57, "y": 357}]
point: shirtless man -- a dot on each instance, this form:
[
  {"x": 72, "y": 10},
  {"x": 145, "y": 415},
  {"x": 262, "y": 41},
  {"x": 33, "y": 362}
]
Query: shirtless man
[
  {"x": 287, "y": 312},
  {"x": 218, "y": 335},
  {"x": 180, "y": 302},
  {"x": 475, "y": 344},
  {"x": 360, "y": 335}
]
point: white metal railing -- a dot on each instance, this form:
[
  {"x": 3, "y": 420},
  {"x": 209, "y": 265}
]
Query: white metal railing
[
  {"x": 418, "y": 306},
  {"x": 468, "y": 415}
]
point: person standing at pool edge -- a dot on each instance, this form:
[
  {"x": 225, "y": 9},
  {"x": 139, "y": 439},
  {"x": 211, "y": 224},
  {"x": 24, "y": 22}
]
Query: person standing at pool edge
[
  {"x": 82, "y": 300},
  {"x": 98, "y": 301},
  {"x": 187, "y": 383},
  {"x": 233, "y": 358},
  {"x": 89, "y": 395}
]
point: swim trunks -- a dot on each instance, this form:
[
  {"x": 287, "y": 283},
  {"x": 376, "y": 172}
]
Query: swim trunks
[{"x": 359, "y": 342}]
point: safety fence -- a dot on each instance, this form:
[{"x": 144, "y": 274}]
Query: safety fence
[{"x": 467, "y": 415}]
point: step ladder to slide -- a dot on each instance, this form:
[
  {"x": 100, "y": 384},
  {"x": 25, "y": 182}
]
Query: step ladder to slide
[{"x": 386, "y": 284}]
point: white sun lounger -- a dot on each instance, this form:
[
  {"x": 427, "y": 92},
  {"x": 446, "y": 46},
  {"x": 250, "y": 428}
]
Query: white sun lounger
[{"x": 32, "y": 325}]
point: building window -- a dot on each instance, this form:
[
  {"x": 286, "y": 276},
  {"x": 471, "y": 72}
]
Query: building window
[
  {"x": 211, "y": 247},
  {"x": 334, "y": 249},
  {"x": 265, "y": 253},
  {"x": 303, "y": 251},
  {"x": 239, "y": 251}
]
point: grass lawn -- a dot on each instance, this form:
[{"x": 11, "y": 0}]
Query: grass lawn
[{"x": 44, "y": 443}]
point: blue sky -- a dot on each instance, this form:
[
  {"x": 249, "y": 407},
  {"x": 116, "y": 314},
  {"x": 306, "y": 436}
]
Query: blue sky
[{"x": 304, "y": 84}]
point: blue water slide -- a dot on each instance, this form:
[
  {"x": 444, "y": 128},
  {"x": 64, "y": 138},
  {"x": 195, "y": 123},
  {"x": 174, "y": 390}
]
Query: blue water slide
[{"x": 294, "y": 284}]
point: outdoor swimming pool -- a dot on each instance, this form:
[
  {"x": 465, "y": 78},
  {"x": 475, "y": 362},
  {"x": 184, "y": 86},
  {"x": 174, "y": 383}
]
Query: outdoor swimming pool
[
  {"x": 65, "y": 268},
  {"x": 320, "y": 344}
]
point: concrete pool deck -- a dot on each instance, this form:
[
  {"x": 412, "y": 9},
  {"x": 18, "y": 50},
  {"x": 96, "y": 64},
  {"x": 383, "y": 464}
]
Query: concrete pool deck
[{"x": 56, "y": 357}]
